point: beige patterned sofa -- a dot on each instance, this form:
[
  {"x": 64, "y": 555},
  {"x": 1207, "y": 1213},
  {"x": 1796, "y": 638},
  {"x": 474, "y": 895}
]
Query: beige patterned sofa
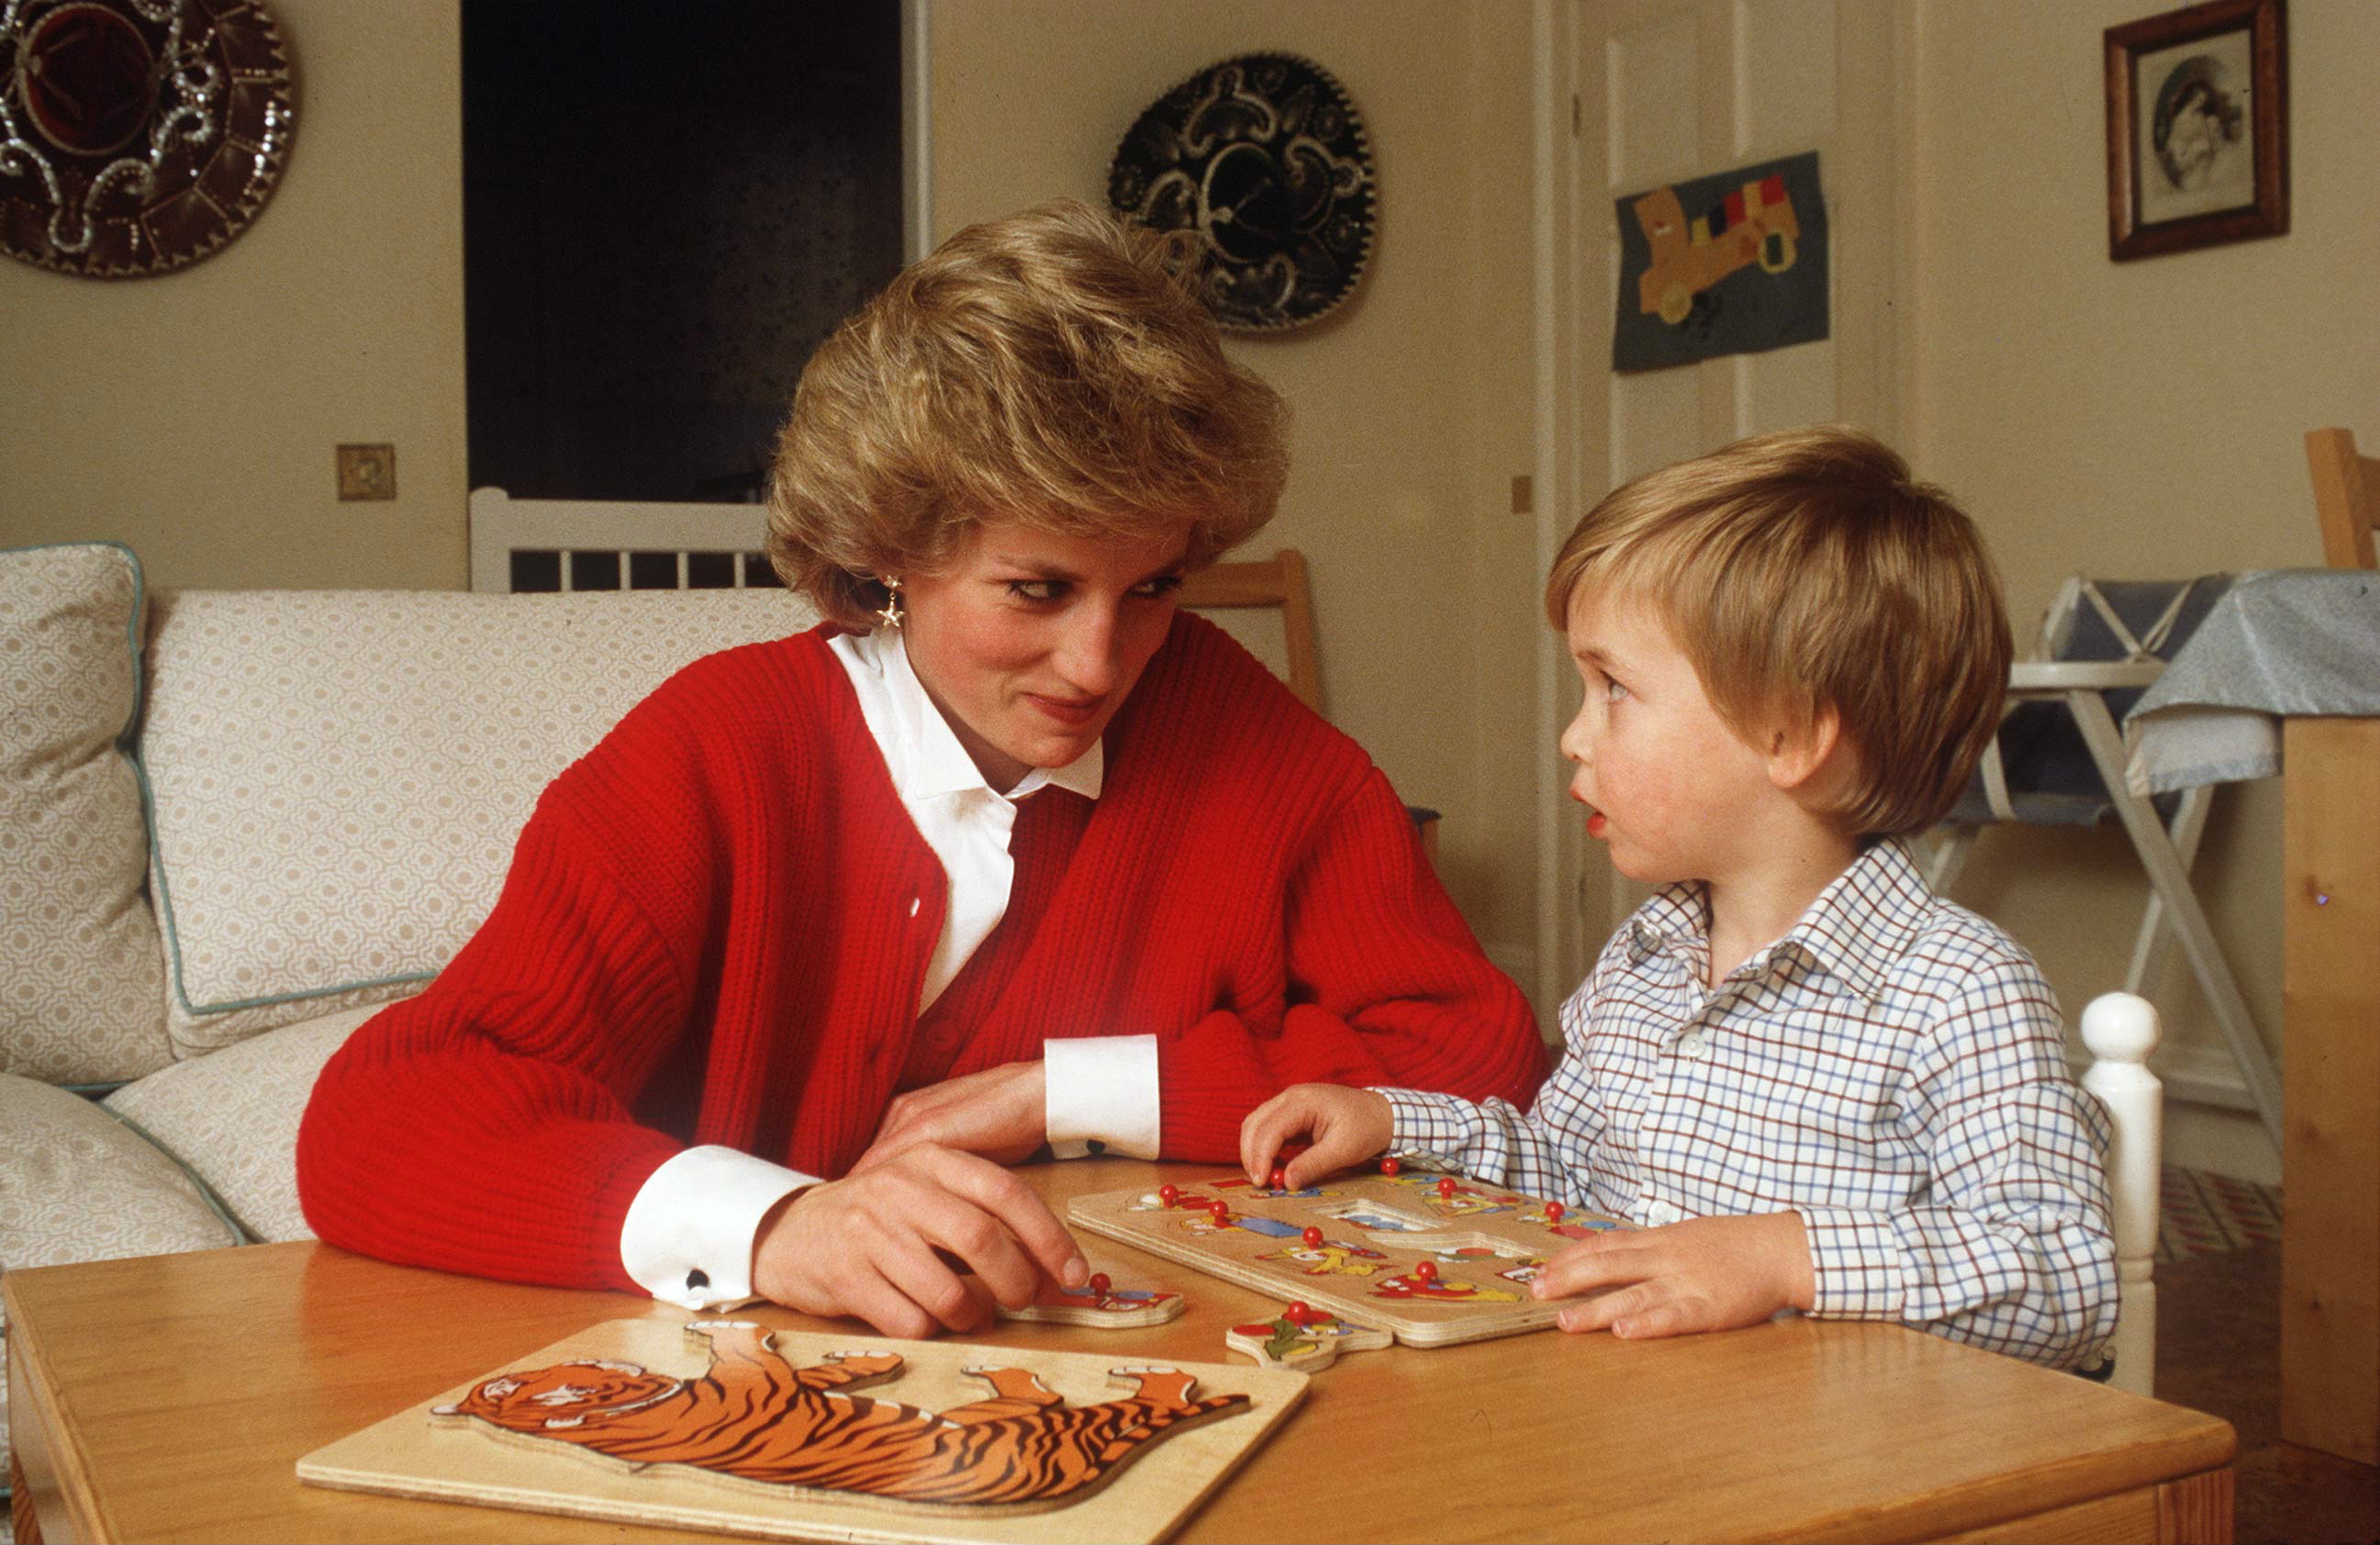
[{"x": 232, "y": 824}]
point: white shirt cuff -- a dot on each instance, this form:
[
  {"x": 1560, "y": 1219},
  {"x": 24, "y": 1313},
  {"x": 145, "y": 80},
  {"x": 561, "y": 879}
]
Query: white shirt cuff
[
  {"x": 1101, "y": 1095},
  {"x": 688, "y": 1237}
]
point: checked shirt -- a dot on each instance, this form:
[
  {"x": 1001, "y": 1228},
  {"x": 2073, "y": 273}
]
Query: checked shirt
[{"x": 1893, "y": 1069}]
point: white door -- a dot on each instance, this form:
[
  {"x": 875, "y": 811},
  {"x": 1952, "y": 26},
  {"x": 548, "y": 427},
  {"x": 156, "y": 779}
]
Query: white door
[{"x": 1668, "y": 90}]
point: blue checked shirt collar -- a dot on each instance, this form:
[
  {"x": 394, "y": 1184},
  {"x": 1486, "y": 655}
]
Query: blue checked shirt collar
[{"x": 1859, "y": 926}]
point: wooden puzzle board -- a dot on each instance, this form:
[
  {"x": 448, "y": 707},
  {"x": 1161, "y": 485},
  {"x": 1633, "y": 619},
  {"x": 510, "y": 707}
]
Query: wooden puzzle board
[
  {"x": 1484, "y": 1240},
  {"x": 415, "y": 1454}
]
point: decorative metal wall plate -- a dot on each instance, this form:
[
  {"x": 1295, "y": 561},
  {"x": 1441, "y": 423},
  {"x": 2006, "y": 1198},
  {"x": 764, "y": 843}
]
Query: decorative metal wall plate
[
  {"x": 1264, "y": 157},
  {"x": 137, "y": 136}
]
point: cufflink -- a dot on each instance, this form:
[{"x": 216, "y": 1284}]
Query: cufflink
[{"x": 697, "y": 1280}]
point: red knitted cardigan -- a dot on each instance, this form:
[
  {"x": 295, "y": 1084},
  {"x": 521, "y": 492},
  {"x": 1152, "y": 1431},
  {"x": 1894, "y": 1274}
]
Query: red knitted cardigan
[{"x": 717, "y": 922}]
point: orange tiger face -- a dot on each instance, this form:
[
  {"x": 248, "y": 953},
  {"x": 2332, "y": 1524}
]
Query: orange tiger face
[{"x": 566, "y": 1396}]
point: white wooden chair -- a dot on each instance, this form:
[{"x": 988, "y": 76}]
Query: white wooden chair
[
  {"x": 2104, "y": 638},
  {"x": 583, "y": 544},
  {"x": 2121, "y": 1030}
]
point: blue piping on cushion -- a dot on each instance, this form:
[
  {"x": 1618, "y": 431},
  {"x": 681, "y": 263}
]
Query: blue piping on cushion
[{"x": 240, "y": 1233}]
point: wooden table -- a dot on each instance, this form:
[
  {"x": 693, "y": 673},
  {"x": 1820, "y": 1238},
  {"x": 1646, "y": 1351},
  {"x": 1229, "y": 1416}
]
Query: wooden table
[
  {"x": 170, "y": 1398},
  {"x": 2330, "y": 1077}
]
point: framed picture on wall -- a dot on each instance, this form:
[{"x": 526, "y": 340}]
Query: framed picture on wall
[{"x": 2197, "y": 128}]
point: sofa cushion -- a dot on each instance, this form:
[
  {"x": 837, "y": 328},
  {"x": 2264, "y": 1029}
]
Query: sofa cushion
[
  {"x": 231, "y": 1117},
  {"x": 83, "y": 995},
  {"x": 76, "y": 1184},
  {"x": 337, "y": 776}
]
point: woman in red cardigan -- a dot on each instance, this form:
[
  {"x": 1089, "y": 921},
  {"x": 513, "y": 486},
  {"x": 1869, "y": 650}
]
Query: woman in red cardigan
[{"x": 1005, "y": 855}]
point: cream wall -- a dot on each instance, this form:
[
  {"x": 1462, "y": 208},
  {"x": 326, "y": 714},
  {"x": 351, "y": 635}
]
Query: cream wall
[
  {"x": 1411, "y": 401},
  {"x": 2122, "y": 419},
  {"x": 2131, "y": 420},
  {"x": 193, "y": 414}
]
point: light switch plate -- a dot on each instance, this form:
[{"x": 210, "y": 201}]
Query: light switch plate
[{"x": 366, "y": 472}]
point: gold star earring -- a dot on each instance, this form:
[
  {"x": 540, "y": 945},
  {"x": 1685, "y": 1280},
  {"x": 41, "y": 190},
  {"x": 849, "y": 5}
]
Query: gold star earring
[{"x": 892, "y": 614}]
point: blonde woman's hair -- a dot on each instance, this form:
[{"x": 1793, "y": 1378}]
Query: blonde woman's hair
[
  {"x": 1050, "y": 367},
  {"x": 1806, "y": 571}
]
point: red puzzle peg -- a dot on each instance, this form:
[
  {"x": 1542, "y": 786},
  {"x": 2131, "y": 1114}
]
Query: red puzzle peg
[
  {"x": 1426, "y": 1272},
  {"x": 1446, "y": 1188},
  {"x": 1391, "y": 1167},
  {"x": 1169, "y": 1195},
  {"x": 1100, "y": 1282},
  {"x": 1280, "y": 1179},
  {"x": 1312, "y": 1237},
  {"x": 1221, "y": 1213},
  {"x": 1297, "y": 1313},
  {"x": 1553, "y": 1212}
]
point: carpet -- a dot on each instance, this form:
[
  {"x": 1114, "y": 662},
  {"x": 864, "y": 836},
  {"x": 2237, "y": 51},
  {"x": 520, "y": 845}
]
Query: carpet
[{"x": 2201, "y": 1212}]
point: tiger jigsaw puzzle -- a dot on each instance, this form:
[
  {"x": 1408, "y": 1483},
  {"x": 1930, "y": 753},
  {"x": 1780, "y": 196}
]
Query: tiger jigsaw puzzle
[
  {"x": 754, "y": 1416},
  {"x": 725, "y": 1425}
]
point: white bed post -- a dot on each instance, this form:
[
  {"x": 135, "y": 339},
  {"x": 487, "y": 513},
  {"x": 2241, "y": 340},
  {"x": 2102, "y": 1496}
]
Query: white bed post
[{"x": 2121, "y": 1030}]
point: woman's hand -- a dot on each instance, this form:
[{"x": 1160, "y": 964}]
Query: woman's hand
[
  {"x": 889, "y": 1246},
  {"x": 1703, "y": 1274},
  {"x": 1341, "y": 1127},
  {"x": 1000, "y": 1113}
]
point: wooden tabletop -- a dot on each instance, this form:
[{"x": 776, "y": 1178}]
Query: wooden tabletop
[{"x": 170, "y": 1398}]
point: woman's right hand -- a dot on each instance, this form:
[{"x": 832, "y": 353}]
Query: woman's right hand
[
  {"x": 1341, "y": 1127},
  {"x": 889, "y": 1245}
]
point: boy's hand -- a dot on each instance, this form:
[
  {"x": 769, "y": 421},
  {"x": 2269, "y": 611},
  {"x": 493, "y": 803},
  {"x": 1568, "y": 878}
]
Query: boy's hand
[
  {"x": 1703, "y": 1274},
  {"x": 1341, "y": 1126}
]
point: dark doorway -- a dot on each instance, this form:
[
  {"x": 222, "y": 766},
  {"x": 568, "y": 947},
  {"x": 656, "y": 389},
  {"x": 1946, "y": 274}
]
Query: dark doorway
[{"x": 667, "y": 204}]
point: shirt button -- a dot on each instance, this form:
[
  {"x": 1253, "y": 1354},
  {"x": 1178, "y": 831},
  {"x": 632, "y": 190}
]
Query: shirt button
[
  {"x": 1693, "y": 1044},
  {"x": 914, "y": 902}
]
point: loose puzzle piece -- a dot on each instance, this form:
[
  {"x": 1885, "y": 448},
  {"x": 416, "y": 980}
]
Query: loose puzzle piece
[
  {"x": 1098, "y": 1304},
  {"x": 754, "y": 1417},
  {"x": 1308, "y": 1343}
]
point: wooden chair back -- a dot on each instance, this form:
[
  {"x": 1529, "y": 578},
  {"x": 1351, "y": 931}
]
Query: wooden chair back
[
  {"x": 2346, "y": 496},
  {"x": 1278, "y": 582}
]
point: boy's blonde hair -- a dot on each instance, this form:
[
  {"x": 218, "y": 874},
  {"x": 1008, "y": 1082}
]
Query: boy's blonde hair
[
  {"x": 1805, "y": 570},
  {"x": 1049, "y": 367}
]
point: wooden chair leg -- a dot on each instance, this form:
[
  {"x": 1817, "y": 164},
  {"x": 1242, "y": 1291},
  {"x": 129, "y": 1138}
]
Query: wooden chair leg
[{"x": 2155, "y": 941}]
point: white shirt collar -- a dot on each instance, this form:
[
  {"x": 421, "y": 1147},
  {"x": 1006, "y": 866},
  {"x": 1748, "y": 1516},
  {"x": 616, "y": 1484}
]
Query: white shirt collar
[{"x": 921, "y": 751}]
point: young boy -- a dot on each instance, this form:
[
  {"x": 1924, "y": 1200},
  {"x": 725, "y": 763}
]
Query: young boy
[{"x": 1813, "y": 1084}]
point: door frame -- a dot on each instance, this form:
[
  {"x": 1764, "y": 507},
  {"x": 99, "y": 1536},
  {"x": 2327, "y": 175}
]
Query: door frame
[{"x": 1570, "y": 914}]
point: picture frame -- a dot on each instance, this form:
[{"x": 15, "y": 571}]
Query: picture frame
[{"x": 2197, "y": 128}]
